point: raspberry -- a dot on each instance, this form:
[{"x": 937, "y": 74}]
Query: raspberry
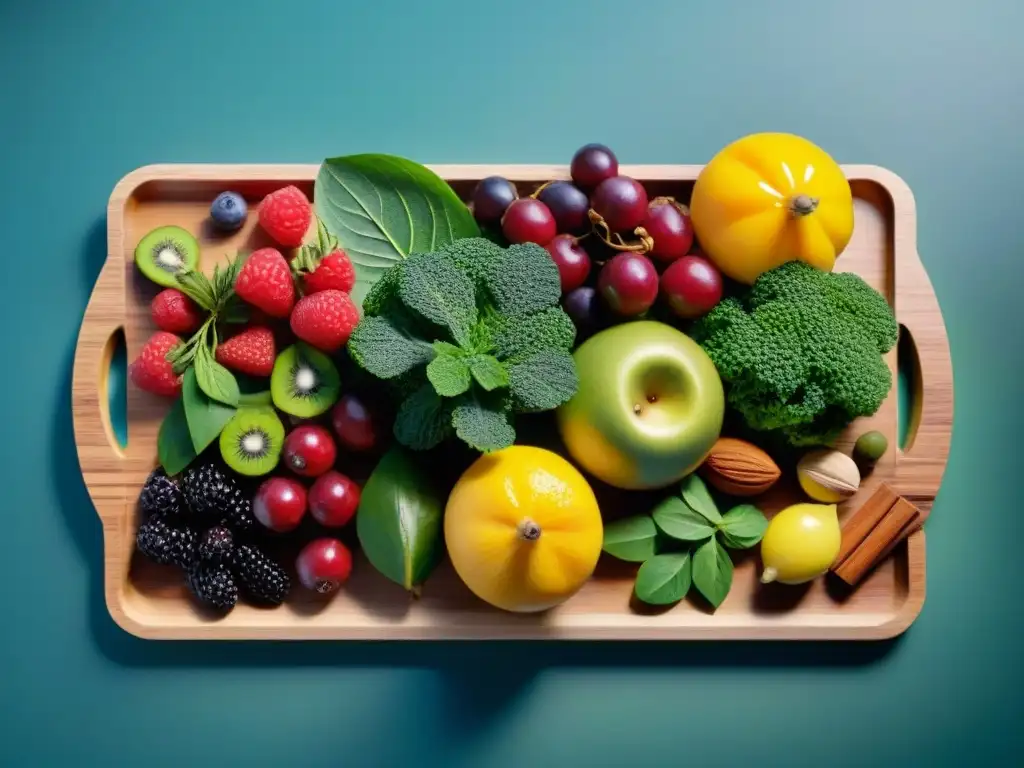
[
  {"x": 265, "y": 281},
  {"x": 335, "y": 273},
  {"x": 252, "y": 351},
  {"x": 325, "y": 319},
  {"x": 285, "y": 215},
  {"x": 175, "y": 312},
  {"x": 151, "y": 371}
]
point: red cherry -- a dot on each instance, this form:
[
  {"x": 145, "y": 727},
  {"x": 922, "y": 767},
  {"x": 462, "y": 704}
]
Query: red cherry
[
  {"x": 280, "y": 503},
  {"x": 309, "y": 450},
  {"x": 621, "y": 202},
  {"x": 528, "y": 221},
  {"x": 323, "y": 565},
  {"x": 572, "y": 261},
  {"x": 353, "y": 424},
  {"x": 629, "y": 284},
  {"x": 691, "y": 286},
  {"x": 333, "y": 499},
  {"x": 669, "y": 225}
]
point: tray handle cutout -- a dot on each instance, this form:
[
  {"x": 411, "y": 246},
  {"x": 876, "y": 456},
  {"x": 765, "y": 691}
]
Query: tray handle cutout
[{"x": 100, "y": 453}]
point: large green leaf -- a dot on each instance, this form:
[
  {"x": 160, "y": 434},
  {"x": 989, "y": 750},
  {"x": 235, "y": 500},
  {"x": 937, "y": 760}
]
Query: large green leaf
[
  {"x": 205, "y": 416},
  {"x": 174, "y": 444},
  {"x": 383, "y": 208},
  {"x": 400, "y": 520}
]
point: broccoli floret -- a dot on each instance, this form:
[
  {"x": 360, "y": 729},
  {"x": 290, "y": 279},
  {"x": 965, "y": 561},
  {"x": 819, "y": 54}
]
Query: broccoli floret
[{"x": 801, "y": 352}]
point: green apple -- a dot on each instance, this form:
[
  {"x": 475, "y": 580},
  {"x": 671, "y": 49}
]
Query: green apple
[{"x": 648, "y": 409}]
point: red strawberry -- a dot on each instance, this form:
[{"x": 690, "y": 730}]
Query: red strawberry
[
  {"x": 285, "y": 215},
  {"x": 325, "y": 319},
  {"x": 265, "y": 281},
  {"x": 175, "y": 312},
  {"x": 252, "y": 351},
  {"x": 151, "y": 371},
  {"x": 334, "y": 273}
]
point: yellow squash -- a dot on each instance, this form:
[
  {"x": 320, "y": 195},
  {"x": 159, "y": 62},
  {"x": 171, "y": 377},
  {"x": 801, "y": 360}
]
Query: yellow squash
[
  {"x": 769, "y": 198},
  {"x": 523, "y": 529}
]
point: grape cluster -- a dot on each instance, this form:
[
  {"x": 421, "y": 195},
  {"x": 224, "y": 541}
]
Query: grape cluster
[{"x": 617, "y": 250}]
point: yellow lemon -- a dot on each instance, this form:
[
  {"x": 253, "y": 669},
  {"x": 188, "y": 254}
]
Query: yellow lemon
[
  {"x": 800, "y": 544},
  {"x": 769, "y": 198},
  {"x": 523, "y": 529}
]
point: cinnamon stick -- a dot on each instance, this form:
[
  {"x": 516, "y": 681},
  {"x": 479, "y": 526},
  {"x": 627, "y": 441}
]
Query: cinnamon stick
[{"x": 870, "y": 535}]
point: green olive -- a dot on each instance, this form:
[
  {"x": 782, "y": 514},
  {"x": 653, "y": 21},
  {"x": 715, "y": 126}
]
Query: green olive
[{"x": 871, "y": 446}]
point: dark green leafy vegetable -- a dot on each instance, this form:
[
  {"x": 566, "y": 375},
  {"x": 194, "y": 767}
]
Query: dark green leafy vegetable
[
  {"x": 676, "y": 519},
  {"x": 664, "y": 579},
  {"x": 482, "y": 325},
  {"x": 174, "y": 443},
  {"x": 632, "y": 538},
  {"x": 712, "y": 571},
  {"x": 743, "y": 526},
  {"x": 800, "y": 352}
]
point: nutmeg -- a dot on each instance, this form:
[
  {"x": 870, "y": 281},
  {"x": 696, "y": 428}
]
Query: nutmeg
[
  {"x": 828, "y": 475},
  {"x": 739, "y": 468}
]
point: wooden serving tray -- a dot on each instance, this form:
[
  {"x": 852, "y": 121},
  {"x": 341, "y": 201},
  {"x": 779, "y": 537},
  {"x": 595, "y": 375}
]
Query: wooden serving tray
[{"x": 150, "y": 601}]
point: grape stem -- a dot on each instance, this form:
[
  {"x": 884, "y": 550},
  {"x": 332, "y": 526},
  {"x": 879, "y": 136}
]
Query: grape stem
[
  {"x": 542, "y": 187},
  {"x": 670, "y": 201},
  {"x": 645, "y": 244}
]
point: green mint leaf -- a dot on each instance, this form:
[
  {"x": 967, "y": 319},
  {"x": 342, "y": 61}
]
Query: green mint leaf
[
  {"x": 197, "y": 287},
  {"x": 543, "y": 381},
  {"x": 697, "y": 497},
  {"x": 449, "y": 375},
  {"x": 423, "y": 420},
  {"x": 482, "y": 425},
  {"x": 439, "y": 292},
  {"x": 216, "y": 381},
  {"x": 676, "y": 520},
  {"x": 205, "y": 416},
  {"x": 383, "y": 349},
  {"x": 664, "y": 579},
  {"x": 516, "y": 338},
  {"x": 488, "y": 372},
  {"x": 522, "y": 280},
  {"x": 383, "y": 208},
  {"x": 444, "y": 348},
  {"x": 631, "y": 539},
  {"x": 174, "y": 447},
  {"x": 481, "y": 339},
  {"x": 743, "y": 526},
  {"x": 712, "y": 571}
]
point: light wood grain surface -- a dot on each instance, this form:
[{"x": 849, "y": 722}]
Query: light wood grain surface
[{"x": 150, "y": 601}]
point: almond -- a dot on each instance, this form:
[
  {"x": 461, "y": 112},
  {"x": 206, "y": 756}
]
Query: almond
[{"x": 739, "y": 468}]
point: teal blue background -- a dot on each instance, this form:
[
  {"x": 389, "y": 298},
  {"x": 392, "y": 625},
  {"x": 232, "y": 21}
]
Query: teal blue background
[{"x": 89, "y": 91}]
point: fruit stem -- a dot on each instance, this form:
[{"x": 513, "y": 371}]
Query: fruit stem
[
  {"x": 769, "y": 575},
  {"x": 527, "y": 530},
  {"x": 604, "y": 232},
  {"x": 663, "y": 200},
  {"x": 801, "y": 205},
  {"x": 541, "y": 188}
]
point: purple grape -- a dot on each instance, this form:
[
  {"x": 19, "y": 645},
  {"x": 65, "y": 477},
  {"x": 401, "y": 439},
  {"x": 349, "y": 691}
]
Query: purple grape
[
  {"x": 569, "y": 206},
  {"x": 491, "y": 198}
]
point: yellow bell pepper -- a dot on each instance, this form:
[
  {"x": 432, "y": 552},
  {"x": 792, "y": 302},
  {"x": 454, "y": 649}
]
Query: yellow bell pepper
[{"x": 769, "y": 198}]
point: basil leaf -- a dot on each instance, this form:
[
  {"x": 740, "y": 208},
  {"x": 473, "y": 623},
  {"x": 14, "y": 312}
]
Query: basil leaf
[
  {"x": 664, "y": 579},
  {"x": 423, "y": 420},
  {"x": 206, "y": 417},
  {"x": 449, "y": 375},
  {"x": 384, "y": 350},
  {"x": 399, "y": 520},
  {"x": 214, "y": 379},
  {"x": 488, "y": 372},
  {"x": 697, "y": 497},
  {"x": 712, "y": 571},
  {"x": 678, "y": 521},
  {"x": 437, "y": 290},
  {"x": 743, "y": 526},
  {"x": 383, "y": 208},
  {"x": 543, "y": 381},
  {"x": 174, "y": 443},
  {"x": 631, "y": 539}
]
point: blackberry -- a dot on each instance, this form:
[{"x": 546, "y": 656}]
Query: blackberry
[
  {"x": 262, "y": 579},
  {"x": 213, "y": 585},
  {"x": 217, "y": 498},
  {"x": 215, "y": 545},
  {"x": 165, "y": 543},
  {"x": 161, "y": 495}
]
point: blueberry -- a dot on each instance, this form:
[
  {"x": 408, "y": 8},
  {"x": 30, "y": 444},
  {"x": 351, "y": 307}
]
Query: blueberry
[{"x": 228, "y": 211}]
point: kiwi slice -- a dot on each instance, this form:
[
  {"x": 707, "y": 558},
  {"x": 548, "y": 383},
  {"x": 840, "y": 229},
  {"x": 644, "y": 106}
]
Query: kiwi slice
[
  {"x": 251, "y": 441},
  {"x": 304, "y": 382},
  {"x": 165, "y": 252}
]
